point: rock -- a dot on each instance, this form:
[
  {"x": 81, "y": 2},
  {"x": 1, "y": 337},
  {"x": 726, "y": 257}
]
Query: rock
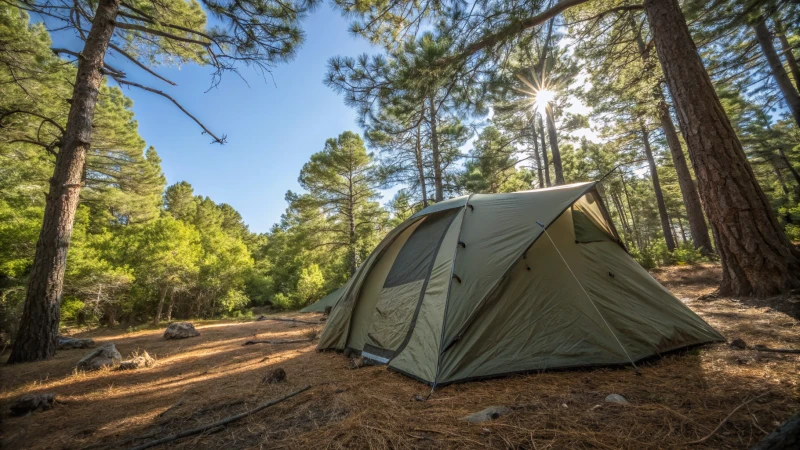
[
  {"x": 31, "y": 402},
  {"x": 180, "y": 330},
  {"x": 66, "y": 343},
  {"x": 738, "y": 343},
  {"x": 139, "y": 362},
  {"x": 616, "y": 398},
  {"x": 419, "y": 398},
  {"x": 785, "y": 437},
  {"x": 261, "y": 318},
  {"x": 490, "y": 413},
  {"x": 104, "y": 356},
  {"x": 276, "y": 376}
]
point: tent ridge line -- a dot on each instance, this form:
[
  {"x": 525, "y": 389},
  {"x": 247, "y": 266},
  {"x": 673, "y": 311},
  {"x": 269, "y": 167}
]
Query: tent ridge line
[
  {"x": 447, "y": 297},
  {"x": 494, "y": 288}
]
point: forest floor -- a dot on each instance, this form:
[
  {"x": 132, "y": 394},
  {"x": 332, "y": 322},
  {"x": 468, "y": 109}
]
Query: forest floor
[{"x": 676, "y": 400}]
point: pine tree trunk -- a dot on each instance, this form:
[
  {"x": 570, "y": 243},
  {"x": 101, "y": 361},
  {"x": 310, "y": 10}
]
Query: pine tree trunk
[
  {"x": 694, "y": 209},
  {"x": 351, "y": 217},
  {"x": 666, "y": 227},
  {"x": 790, "y": 95},
  {"x": 536, "y": 156},
  {"x": 789, "y": 165},
  {"x": 791, "y": 61},
  {"x": 421, "y": 169},
  {"x": 157, "y": 317},
  {"x": 171, "y": 304},
  {"x": 37, "y": 335},
  {"x": 544, "y": 155},
  {"x": 757, "y": 258},
  {"x": 437, "y": 160},
  {"x": 551, "y": 133},
  {"x": 636, "y": 232}
]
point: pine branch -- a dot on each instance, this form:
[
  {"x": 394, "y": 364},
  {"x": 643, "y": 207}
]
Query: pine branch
[{"x": 161, "y": 93}]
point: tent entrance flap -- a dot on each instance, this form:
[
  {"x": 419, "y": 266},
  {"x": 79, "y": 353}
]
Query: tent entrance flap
[{"x": 399, "y": 302}]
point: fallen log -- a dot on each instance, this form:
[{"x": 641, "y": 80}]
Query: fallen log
[
  {"x": 218, "y": 425},
  {"x": 764, "y": 348},
  {"x": 284, "y": 319},
  {"x": 287, "y": 341}
]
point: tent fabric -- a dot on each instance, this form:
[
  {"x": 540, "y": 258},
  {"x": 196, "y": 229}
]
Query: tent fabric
[
  {"x": 475, "y": 287},
  {"x": 324, "y": 302}
]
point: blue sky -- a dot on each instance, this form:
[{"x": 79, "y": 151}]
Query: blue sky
[{"x": 272, "y": 128}]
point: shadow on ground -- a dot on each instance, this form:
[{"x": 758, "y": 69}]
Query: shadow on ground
[{"x": 677, "y": 399}]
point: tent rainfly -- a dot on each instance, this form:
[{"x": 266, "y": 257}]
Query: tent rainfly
[
  {"x": 324, "y": 302},
  {"x": 492, "y": 284}
]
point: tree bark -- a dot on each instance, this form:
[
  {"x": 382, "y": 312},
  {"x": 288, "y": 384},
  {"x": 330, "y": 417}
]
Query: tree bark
[
  {"x": 38, "y": 330},
  {"x": 437, "y": 160},
  {"x": 791, "y": 61},
  {"x": 666, "y": 227},
  {"x": 789, "y": 165},
  {"x": 790, "y": 95},
  {"x": 551, "y": 133},
  {"x": 691, "y": 199},
  {"x": 757, "y": 258},
  {"x": 637, "y": 233},
  {"x": 694, "y": 210},
  {"x": 421, "y": 168},
  {"x": 536, "y": 155},
  {"x": 544, "y": 155},
  {"x": 157, "y": 317},
  {"x": 171, "y": 304},
  {"x": 351, "y": 217}
]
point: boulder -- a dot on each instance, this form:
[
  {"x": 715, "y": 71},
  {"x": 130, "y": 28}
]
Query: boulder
[
  {"x": 104, "y": 356},
  {"x": 490, "y": 413},
  {"x": 31, "y": 402},
  {"x": 66, "y": 343},
  {"x": 616, "y": 398},
  {"x": 276, "y": 376},
  {"x": 180, "y": 330},
  {"x": 138, "y": 362}
]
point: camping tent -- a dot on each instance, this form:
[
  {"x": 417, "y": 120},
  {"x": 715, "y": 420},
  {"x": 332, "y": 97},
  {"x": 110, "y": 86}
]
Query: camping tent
[
  {"x": 324, "y": 302},
  {"x": 491, "y": 284}
]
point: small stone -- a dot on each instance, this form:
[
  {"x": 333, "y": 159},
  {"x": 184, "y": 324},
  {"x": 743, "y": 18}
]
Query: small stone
[
  {"x": 180, "y": 330},
  {"x": 490, "y": 413},
  {"x": 31, "y": 402},
  {"x": 738, "y": 343},
  {"x": 338, "y": 391},
  {"x": 419, "y": 398},
  {"x": 104, "y": 356},
  {"x": 564, "y": 405},
  {"x": 616, "y": 398},
  {"x": 276, "y": 376},
  {"x": 486, "y": 431},
  {"x": 67, "y": 343},
  {"x": 261, "y": 318},
  {"x": 357, "y": 363},
  {"x": 139, "y": 362}
]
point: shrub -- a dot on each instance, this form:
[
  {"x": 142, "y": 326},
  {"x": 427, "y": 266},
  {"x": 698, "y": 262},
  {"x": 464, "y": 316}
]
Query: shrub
[{"x": 282, "y": 301}]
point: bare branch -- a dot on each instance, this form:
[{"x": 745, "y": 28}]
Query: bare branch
[{"x": 161, "y": 93}]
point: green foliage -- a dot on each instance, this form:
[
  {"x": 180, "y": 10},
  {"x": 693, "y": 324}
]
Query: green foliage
[
  {"x": 310, "y": 286},
  {"x": 71, "y": 308}
]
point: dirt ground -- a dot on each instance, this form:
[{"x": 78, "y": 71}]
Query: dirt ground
[{"x": 676, "y": 400}]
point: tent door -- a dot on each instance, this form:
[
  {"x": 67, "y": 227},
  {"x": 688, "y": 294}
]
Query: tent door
[{"x": 401, "y": 297}]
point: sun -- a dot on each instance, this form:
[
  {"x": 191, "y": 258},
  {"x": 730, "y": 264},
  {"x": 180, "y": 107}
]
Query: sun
[{"x": 543, "y": 98}]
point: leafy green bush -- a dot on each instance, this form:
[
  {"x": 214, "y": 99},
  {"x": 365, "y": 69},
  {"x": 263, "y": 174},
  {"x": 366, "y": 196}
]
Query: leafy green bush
[
  {"x": 283, "y": 301},
  {"x": 232, "y": 301},
  {"x": 686, "y": 254},
  {"x": 71, "y": 307}
]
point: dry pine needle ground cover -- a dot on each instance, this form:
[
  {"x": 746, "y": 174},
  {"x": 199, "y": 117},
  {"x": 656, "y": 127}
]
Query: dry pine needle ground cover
[{"x": 197, "y": 381}]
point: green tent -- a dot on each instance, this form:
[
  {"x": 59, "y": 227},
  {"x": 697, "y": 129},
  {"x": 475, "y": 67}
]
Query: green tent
[
  {"x": 475, "y": 287},
  {"x": 324, "y": 302}
]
